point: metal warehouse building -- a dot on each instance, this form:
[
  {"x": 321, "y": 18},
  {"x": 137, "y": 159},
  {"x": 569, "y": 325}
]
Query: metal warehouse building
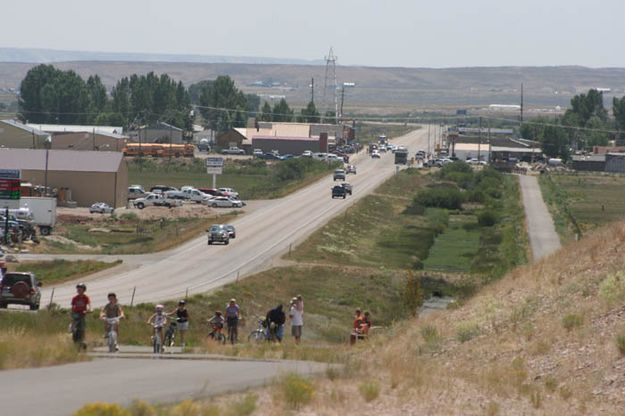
[
  {"x": 90, "y": 176},
  {"x": 286, "y": 145}
]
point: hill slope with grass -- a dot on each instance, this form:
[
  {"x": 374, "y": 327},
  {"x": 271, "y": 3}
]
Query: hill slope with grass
[{"x": 546, "y": 339}]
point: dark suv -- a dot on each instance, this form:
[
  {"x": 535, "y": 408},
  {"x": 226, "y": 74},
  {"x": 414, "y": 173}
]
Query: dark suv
[
  {"x": 338, "y": 192},
  {"x": 218, "y": 233},
  {"x": 20, "y": 288}
]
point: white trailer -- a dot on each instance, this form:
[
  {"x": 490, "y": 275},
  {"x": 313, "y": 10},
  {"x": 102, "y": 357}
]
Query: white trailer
[{"x": 43, "y": 210}]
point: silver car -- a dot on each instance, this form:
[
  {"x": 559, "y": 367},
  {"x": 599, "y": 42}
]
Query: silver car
[
  {"x": 224, "y": 202},
  {"x": 101, "y": 208}
]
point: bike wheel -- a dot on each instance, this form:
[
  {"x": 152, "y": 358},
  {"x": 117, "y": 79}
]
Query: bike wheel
[
  {"x": 157, "y": 344},
  {"x": 221, "y": 338},
  {"x": 256, "y": 336},
  {"x": 112, "y": 341}
]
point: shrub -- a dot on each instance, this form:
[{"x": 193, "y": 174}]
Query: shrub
[
  {"x": 297, "y": 390},
  {"x": 129, "y": 216},
  {"x": 612, "y": 288},
  {"x": 487, "y": 218},
  {"x": 449, "y": 198},
  {"x": 141, "y": 408},
  {"x": 467, "y": 331},
  {"x": 572, "y": 321},
  {"x": 243, "y": 407},
  {"x": 102, "y": 409},
  {"x": 620, "y": 343},
  {"x": 431, "y": 337},
  {"x": 369, "y": 390}
]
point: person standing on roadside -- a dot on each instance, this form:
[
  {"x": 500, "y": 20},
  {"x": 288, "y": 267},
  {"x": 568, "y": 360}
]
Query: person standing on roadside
[
  {"x": 182, "y": 319},
  {"x": 81, "y": 306},
  {"x": 297, "y": 319},
  {"x": 233, "y": 315}
]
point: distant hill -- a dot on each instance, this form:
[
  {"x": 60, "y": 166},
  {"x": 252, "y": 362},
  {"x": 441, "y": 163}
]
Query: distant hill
[{"x": 377, "y": 90}]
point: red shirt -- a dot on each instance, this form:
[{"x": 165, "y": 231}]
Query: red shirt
[{"x": 79, "y": 303}]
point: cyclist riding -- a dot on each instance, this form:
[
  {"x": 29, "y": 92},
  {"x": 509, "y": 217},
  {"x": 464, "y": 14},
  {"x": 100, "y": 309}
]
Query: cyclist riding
[
  {"x": 81, "y": 305},
  {"x": 216, "y": 323},
  {"x": 158, "y": 320},
  {"x": 110, "y": 311}
]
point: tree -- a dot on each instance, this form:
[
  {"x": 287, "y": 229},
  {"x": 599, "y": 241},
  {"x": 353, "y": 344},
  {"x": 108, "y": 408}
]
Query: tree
[
  {"x": 252, "y": 104},
  {"x": 618, "y": 109},
  {"x": 97, "y": 96},
  {"x": 329, "y": 117},
  {"x": 265, "y": 113},
  {"x": 413, "y": 293},
  {"x": 225, "y": 106},
  {"x": 282, "y": 112},
  {"x": 310, "y": 114}
]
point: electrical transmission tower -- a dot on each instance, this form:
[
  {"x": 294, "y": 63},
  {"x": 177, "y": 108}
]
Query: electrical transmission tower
[{"x": 330, "y": 83}]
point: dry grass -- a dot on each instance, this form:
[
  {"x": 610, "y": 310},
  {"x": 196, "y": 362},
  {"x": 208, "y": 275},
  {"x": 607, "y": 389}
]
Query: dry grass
[{"x": 21, "y": 349}]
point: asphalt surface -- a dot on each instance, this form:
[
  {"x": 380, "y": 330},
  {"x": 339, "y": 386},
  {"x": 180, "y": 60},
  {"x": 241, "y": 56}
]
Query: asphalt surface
[
  {"x": 62, "y": 390},
  {"x": 544, "y": 239},
  {"x": 262, "y": 236}
]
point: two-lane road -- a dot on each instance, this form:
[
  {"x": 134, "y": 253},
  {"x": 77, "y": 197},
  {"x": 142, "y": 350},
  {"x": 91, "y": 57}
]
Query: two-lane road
[{"x": 262, "y": 235}]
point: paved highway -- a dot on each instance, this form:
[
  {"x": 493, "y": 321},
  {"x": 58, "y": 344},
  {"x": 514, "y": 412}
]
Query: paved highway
[
  {"x": 262, "y": 236},
  {"x": 61, "y": 390}
]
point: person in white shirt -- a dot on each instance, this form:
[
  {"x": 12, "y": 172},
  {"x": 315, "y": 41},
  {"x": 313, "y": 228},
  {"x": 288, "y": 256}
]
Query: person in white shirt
[{"x": 296, "y": 313}]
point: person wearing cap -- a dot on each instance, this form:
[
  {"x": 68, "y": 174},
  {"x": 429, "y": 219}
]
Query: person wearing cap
[
  {"x": 111, "y": 310},
  {"x": 182, "y": 319},
  {"x": 216, "y": 323},
  {"x": 297, "y": 318},
  {"x": 232, "y": 320},
  {"x": 81, "y": 305},
  {"x": 158, "y": 320}
]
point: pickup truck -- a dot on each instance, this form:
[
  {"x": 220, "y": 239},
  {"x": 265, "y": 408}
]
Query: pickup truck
[
  {"x": 233, "y": 150},
  {"x": 195, "y": 195},
  {"x": 157, "y": 200}
]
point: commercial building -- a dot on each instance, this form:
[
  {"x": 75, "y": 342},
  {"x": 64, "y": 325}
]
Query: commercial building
[
  {"x": 496, "y": 149},
  {"x": 158, "y": 132},
  {"x": 87, "y": 176},
  {"x": 83, "y": 137},
  {"x": 16, "y": 135}
]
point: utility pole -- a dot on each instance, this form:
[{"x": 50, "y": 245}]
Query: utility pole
[
  {"x": 521, "y": 103},
  {"x": 479, "y": 143},
  {"x": 342, "y": 101},
  {"x": 93, "y": 138},
  {"x": 312, "y": 90},
  {"x": 490, "y": 147},
  {"x": 429, "y": 139}
]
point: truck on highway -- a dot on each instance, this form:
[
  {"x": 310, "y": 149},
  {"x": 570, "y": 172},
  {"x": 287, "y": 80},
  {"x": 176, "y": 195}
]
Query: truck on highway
[
  {"x": 43, "y": 211},
  {"x": 401, "y": 156}
]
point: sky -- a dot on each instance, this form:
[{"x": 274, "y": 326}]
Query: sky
[{"x": 404, "y": 33}]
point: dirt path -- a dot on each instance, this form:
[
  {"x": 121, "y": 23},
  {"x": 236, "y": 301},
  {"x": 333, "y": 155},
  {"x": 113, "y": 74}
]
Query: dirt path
[{"x": 542, "y": 234}]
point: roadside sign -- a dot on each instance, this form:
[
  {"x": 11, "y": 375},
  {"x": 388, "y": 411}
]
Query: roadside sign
[
  {"x": 214, "y": 165},
  {"x": 10, "y": 188}
]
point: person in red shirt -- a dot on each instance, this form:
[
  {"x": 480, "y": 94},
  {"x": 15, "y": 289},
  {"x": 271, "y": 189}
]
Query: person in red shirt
[
  {"x": 358, "y": 322},
  {"x": 81, "y": 306}
]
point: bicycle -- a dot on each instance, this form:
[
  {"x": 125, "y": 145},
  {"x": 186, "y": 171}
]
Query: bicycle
[
  {"x": 259, "y": 334},
  {"x": 111, "y": 334},
  {"x": 157, "y": 343},
  {"x": 170, "y": 334},
  {"x": 217, "y": 334},
  {"x": 77, "y": 328}
]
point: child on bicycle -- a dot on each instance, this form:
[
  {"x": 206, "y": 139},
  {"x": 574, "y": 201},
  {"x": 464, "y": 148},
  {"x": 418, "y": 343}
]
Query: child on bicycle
[
  {"x": 158, "y": 320},
  {"x": 216, "y": 323},
  {"x": 111, "y": 310}
]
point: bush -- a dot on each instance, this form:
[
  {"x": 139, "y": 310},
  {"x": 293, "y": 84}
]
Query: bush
[
  {"x": 297, "y": 390},
  {"x": 102, "y": 409},
  {"x": 140, "y": 408},
  {"x": 487, "y": 218},
  {"x": 129, "y": 216},
  {"x": 571, "y": 321},
  {"x": 612, "y": 288},
  {"x": 369, "y": 390},
  {"x": 243, "y": 407},
  {"x": 449, "y": 198},
  {"x": 467, "y": 331}
]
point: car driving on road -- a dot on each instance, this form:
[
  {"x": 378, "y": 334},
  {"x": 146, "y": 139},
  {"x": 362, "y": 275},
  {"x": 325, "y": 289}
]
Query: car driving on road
[
  {"x": 375, "y": 154},
  {"x": 20, "y": 288},
  {"x": 339, "y": 174},
  {"x": 339, "y": 192},
  {"x": 218, "y": 233},
  {"x": 347, "y": 187},
  {"x": 231, "y": 230}
]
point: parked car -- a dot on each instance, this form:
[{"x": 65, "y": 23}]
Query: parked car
[
  {"x": 218, "y": 233},
  {"x": 175, "y": 194},
  {"x": 350, "y": 169},
  {"x": 135, "y": 192},
  {"x": 158, "y": 200},
  {"x": 229, "y": 192},
  {"x": 339, "y": 174},
  {"x": 231, "y": 230},
  {"x": 270, "y": 156},
  {"x": 195, "y": 195},
  {"x": 161, "y": 188},
  {"x": 347, "y": 187},
  {"x": 211, "y": 192},
  {"x": 257, "y": 152},
  {"x": 233, "y": 150},
  {"x": 101, "y": 208},
  {"x": 338, "y": 192},
  {"x": 224, "y": 202},
  {"x": 375, "y": 154},
  {"x": 20, "y": 288},
  {"x": 307, "y": 153}
]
